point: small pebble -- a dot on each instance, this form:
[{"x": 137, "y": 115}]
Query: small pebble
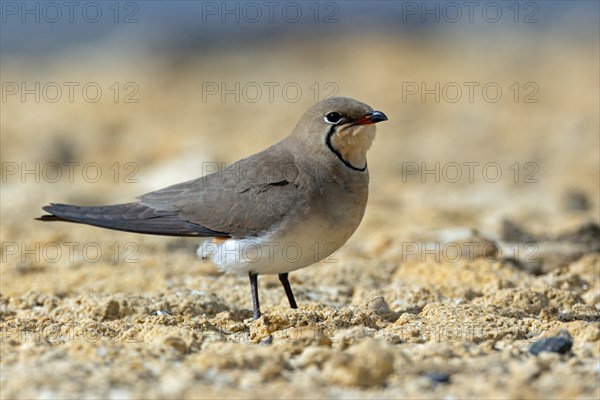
[
  {"x": 556, "y": 344},
  {"x": 267, "y": 341},
  {"x": 513, "y": 232},
  {"x": 378, "y": 305},
  {"x": 161, "y": 312},
  {"x": 438, "y": 377},
  {"x": 576, "y": 200}
]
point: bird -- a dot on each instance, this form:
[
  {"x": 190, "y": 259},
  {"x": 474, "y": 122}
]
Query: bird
[{"x": 279, "y": 210}]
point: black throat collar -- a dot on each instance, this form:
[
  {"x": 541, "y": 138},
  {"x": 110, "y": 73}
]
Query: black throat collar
[{"x": 338, "y": 154}]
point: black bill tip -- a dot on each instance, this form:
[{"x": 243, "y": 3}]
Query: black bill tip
[{"x": 373, "y": 118}]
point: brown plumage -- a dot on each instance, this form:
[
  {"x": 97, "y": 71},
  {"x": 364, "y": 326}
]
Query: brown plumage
[{"x": 311, "y": 187}]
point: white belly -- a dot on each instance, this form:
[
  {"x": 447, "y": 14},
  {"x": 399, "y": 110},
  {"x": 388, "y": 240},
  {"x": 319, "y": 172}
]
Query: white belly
[{"x": 288, "y": 250}]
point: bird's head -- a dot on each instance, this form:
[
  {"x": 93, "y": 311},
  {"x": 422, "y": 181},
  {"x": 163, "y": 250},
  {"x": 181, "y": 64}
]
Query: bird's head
[{"x": 342, "y": 126}]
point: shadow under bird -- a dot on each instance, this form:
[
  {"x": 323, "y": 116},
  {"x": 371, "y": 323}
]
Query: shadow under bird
[{"x": 285, "y": 208}]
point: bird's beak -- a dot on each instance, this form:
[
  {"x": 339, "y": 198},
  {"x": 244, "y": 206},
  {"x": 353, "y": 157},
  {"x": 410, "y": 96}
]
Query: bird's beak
[{"x": 373, "y": 118}]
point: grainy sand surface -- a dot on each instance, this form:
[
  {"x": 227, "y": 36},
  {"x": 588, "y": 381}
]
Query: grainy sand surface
[{"x": 387, "y": 316}]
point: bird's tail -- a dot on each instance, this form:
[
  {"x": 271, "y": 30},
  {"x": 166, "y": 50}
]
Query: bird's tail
[{"x": 130, "y": 217}]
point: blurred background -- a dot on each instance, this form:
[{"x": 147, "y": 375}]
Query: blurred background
[
  {"x": 493, "y": 107},
  {"x": 493, "y": 120}
]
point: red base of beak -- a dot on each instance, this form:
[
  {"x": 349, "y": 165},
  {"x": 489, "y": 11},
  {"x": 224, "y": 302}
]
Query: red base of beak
[{"x": 373, "y": 118}]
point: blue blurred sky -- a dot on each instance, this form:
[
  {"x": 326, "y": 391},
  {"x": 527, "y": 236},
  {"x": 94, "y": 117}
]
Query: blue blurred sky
[{"x": 43, "y": 27}]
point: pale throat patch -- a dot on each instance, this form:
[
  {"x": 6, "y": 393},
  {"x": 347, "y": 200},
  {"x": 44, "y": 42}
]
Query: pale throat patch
[{"x": 353, "y": 143}]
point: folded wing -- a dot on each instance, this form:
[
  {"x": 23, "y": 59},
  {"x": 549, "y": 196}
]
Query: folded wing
[{"x": 248, "y": 198}]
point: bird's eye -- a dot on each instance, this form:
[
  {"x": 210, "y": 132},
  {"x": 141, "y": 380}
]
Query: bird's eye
[{"x": 333, "y": 117}]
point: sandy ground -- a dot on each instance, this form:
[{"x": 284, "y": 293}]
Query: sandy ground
[{"x": 440, "y": 293}]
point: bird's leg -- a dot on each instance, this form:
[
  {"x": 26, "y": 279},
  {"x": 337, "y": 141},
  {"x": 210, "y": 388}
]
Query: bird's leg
[
  {"x": 254, "y": 289},
  {"x": 283, "y": 278}
]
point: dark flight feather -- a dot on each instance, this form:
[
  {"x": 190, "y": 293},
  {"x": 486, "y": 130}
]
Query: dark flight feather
[{"x": 130, "y": 217}]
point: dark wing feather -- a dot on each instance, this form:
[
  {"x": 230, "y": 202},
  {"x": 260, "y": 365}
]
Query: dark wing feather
[{"x": 131, "y": 217}]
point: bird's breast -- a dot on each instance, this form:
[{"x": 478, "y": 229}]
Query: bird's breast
[{"x": 307, "y": 235}]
